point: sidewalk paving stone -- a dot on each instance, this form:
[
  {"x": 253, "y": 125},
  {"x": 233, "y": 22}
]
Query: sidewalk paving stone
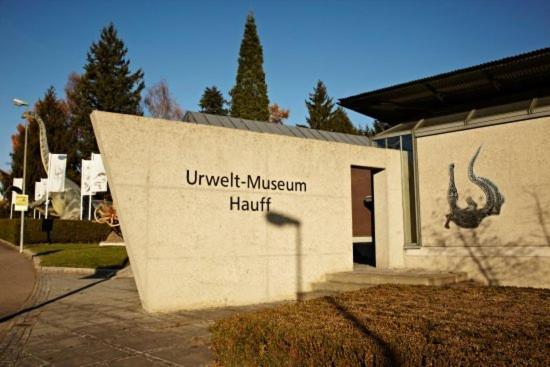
[{"x": 84, "y": 321}]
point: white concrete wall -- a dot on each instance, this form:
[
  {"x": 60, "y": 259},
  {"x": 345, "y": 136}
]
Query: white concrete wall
[
  {"x": 189, "y": 250},
  {"x": 512, "y": 248}
]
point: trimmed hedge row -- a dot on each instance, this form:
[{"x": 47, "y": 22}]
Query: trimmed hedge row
[
  {"x": 53, "y": 230},
  {"x": 464, "y": 325}
]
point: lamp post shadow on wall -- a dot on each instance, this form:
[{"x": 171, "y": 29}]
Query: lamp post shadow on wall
[{"x": 281, "y": 220}]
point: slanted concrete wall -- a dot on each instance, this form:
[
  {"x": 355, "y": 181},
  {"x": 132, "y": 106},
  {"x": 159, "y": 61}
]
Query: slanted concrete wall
[
  {"x": 512, "y": 248},
  {"x": 188, "y": 249}
]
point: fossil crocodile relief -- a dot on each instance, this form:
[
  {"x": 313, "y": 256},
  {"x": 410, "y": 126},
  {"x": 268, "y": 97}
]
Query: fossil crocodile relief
[
  {"x": 66, "y": 204},
  {"x": 471, "y": 216}
]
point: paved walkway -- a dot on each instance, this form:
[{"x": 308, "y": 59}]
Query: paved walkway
[
  {"x": 86, "y": 321},
  {"x": 17, "y": 278}
]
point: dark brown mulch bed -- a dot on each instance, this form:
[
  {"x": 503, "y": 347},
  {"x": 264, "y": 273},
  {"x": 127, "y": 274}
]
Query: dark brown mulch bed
[{"x": 465, "y": 324}]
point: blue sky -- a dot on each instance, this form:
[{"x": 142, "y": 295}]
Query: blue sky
[{"x": 353, "y": 46}]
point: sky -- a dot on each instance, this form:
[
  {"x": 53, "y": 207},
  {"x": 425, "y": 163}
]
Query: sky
[{"x": 352, "y": 46}]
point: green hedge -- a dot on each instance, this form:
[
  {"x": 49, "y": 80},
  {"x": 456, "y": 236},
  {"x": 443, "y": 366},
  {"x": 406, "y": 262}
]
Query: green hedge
[
  {"x": 53, "y": 230},
  {"x": 464, "y": 325}
]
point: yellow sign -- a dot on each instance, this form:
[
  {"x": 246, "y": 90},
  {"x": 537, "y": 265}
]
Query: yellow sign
[{"x": 21, "y": 203}]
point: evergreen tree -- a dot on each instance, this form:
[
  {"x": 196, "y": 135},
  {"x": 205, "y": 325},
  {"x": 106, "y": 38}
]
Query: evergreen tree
[
  {"x": 17, "y": 143},
  {"x": 107, "y": 85},
  {"x": 212, "y": 101},
  {"x": 320, "y": 107},
  {"x": 249, "y": 95},
  {"x": 340, "y": 122},
  {"x": 376, "y": 128}
]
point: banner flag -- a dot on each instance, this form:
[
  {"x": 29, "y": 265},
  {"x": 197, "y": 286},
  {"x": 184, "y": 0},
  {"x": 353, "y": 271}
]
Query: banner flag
[
  {"x": 86, "y": 179},
  {"x": 99, "y": 177},
  {"x": 17, "y": 182},
  {"x": 39, "y": 189},
  {"x": 57, "y": 164}
]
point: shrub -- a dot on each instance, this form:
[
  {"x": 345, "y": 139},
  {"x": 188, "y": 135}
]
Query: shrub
[
  {"x": 53, "y": 230},
  {"x": 394, "y": 325}
]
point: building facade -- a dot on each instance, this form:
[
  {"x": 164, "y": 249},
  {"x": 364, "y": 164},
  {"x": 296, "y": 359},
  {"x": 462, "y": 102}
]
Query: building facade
[
  {"x": 220, "y": 211},
  {"x": 476, "y": 175}
]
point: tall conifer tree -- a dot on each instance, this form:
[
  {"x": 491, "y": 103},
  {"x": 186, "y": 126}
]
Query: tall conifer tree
[
  {"x": 249, "y": 95},
  {"x": 319, "y": 106},
  {"x": 107, "y": 85}
]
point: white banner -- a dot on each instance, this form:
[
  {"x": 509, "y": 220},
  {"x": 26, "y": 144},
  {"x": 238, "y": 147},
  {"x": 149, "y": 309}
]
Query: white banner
[
  {"x": 57, "y": 164},
  {"x": 86, "y": 178},
  {"x": 17, "y": 182},
  {"x": 99, "y": 177},
  {"x": 40, "y": 189}
]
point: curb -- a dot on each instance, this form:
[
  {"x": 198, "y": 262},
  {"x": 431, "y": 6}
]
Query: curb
[
  {"x": 81, "y": 271},
  {"x": 55, "y": 269}
]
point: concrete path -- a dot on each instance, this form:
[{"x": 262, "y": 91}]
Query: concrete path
[
  {"x": 17, "y": 278},
  {"x": 86, "y": 321}
]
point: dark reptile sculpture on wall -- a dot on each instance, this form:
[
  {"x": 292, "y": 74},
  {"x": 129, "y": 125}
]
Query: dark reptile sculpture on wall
[{"x": 471, "y": 216}]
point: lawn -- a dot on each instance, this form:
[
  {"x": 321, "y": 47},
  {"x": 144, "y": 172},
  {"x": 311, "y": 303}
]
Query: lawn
[
  {"x": 391, "y": 325},
  {"x": 80, "y": 255}
]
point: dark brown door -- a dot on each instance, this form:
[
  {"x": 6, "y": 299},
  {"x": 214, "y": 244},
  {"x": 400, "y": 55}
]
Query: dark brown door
[{"x": 361, "y": 188}]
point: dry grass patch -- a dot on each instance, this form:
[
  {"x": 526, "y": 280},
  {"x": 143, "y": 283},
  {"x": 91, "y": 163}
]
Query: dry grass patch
[{"x": 465, "y": 324}]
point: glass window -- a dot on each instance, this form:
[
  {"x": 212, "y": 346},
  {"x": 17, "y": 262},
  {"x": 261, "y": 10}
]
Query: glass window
[
  {"x": 380, "y": 143},
  {"x": 394, "y": 142},
  {"x": 409, "y": 191}
]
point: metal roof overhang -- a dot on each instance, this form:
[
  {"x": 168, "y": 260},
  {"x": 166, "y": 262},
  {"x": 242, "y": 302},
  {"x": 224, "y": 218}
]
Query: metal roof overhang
[{"x": 498, "y": 82}]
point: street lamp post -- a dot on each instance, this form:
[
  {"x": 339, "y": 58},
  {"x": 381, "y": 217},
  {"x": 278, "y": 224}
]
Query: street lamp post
[{"x": 20, "y": 103}]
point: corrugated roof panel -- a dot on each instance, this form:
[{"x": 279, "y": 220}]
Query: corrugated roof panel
[
  {"x": 224, "y": 121},
  {"x": 201, "y": 119},
  {"x": 238, "y": 123},
  {"x": 317, "y": 134},
  {"x": 363, "y": 140},
  {"x": 296, "y": 132},
  {"x": 249, "y": 125},
  {"x": 307, "y": 132},
  {"x": 270, "y": 128},
  {"x": 342, "y": 138},
  {"x": 327, "y": 135},
  {"x": 189, "y": 117},
  {"x": 286, "y": 130},
  {"x": 356, "y": 139},
  {"x": 259, "y": 126}
]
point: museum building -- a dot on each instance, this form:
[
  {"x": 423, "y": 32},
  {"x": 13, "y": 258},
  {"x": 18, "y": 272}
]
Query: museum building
[
  {"x": 475, "y": 176},
  {"x": 225, "y": 211}
]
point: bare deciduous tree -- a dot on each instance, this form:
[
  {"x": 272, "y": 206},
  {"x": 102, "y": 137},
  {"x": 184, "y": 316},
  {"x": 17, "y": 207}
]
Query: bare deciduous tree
[{"x": 160, "y": 104}]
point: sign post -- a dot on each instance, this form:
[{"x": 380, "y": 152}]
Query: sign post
[{"x": 21, "y": 203}]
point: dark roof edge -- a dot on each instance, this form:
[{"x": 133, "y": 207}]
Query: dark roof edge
[{"x": 506, "y": 60}]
